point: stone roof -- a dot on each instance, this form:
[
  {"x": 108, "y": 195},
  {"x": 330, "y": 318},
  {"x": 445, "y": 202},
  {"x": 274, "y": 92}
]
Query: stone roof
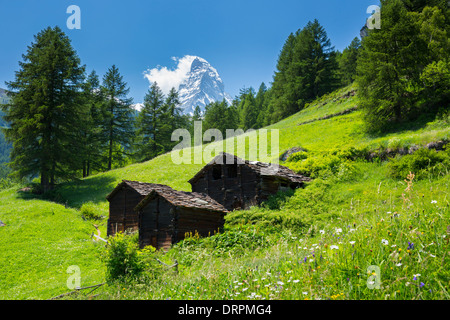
[
  {"x": 143, "y": 188},
  {"x": 184, "y": 199},
  {"x": 261, "y": 167}
]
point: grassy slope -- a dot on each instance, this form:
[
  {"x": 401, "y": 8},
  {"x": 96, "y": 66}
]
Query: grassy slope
[{"x": 67, "y": 242}]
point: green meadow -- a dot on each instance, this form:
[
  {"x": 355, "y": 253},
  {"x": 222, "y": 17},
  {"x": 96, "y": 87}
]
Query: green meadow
[{"x": 355, "y": 232}]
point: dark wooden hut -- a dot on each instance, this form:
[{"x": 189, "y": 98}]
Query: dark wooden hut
[
  {"x": 122, "y": 201},
  {"x": 240, "y": 184},
  {"x": 165, "y": 216}
]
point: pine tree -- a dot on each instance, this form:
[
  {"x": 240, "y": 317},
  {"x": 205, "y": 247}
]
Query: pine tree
[
  {"x": 171, "y": 119},
  {"x": 92, "y": 138},
  {"x": 45, "y": 109},
  {"x": 392, "y": 67},
  {"x": 306, "y": 69},
  {"x": 150, "y": 124},
  {"x": 348, "y": 61},
  {"x": 261, "y": 102},
  {"x": 118, "y": 124}
]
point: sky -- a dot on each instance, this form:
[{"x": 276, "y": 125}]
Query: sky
[{"x": 241, "y": 39}]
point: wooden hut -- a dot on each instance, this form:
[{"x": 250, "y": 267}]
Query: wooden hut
[
  {"x": 240, "y": 184},
  {"x": 165, "y": 216},
  {"x": 122, "y": 201}
]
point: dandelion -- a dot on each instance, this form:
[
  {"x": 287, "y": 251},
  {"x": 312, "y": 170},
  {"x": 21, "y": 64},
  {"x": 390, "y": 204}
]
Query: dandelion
[{"x": 385, "y": 242}]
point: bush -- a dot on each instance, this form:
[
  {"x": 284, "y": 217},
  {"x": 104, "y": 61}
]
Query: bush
[
  {"x": 122, "y": 259},
  {"x": 125, "y": 261},
  {"x": 297, "y": 156},
  {"x": 90, "y": 211},
  {"x": 422, "y": 163},
  {"x": 334, "y": 166}
]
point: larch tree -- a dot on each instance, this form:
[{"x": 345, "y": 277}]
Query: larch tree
[
  {"x": 45, "y": 109},
  {"x": 118, "y": 123}
]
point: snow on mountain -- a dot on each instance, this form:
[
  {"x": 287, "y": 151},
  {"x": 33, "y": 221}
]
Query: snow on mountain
[{"x": 201, "y": 86}]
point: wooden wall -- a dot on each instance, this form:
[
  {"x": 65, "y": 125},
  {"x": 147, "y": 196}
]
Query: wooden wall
[
  {"x": 122, "y": 216},
  {"x": 161, "y": 224},
  {"x": 244, "y": 189}
]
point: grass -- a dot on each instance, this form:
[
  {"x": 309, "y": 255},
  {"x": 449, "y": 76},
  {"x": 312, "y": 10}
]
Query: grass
[
  {"x": 261, "y": 254},
  {"x": 40, "y": 241}
]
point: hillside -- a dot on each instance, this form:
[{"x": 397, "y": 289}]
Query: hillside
[{"x": 315, "y": 244}]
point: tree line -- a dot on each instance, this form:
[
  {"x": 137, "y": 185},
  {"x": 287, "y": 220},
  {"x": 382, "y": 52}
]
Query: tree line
[
  {"x": 308, "y": 67},
  {"x": 401, "y": 71},
  {"x": 64, "y": 124}
]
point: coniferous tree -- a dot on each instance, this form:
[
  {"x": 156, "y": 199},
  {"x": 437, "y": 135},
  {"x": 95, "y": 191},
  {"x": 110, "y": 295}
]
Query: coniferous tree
[
  {"x": 118, "y": 123},
  {"x": 92, "y": 137},
  {"x": 392, "y": 71},
  {"x": 171, "y": 119},
  {"x": 306, "y": 69},
  {"x": 348, "y": 61},
  {"x": 261, "y": 104},
  {"x": 150, "y": 124},
  {"x": 45, "y": 109}
]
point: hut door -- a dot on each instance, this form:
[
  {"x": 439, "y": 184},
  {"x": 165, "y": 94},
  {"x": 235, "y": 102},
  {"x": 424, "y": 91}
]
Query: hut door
[{"x": 153, "y": 241}]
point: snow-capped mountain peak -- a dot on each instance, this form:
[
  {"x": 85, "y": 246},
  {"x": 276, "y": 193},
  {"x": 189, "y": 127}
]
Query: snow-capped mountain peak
[{"x": 201, "y": 86}]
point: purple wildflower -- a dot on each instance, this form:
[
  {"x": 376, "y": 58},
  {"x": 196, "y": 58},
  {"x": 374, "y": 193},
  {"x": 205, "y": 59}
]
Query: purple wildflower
[{"x": 421, "y": 284}]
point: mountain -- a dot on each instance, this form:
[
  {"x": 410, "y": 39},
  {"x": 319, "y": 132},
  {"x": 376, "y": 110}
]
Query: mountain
[
  {"x": 201, "y": 86},
  {"x": 3, "y": 99}
]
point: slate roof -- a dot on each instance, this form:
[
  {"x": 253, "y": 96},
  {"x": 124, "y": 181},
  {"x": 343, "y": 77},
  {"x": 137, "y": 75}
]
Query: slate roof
[
  {"x": 184, "y": 199},
  {"x": 143, "y": 188},
  {"x": 262, "y": 167}
]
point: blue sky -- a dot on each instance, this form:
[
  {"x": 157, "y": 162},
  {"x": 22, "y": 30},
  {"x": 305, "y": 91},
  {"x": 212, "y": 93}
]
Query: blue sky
[{"x": 240, "y": 38}]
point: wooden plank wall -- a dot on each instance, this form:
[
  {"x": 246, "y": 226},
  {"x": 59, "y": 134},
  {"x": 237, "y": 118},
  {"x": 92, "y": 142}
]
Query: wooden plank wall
[
  {"x": 122, "y": 216},
  {"x": 162, "y": 224}
]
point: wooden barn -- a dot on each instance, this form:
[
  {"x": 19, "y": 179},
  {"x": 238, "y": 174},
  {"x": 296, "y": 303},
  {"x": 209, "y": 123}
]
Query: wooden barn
[
  {"x": 240, "y": 184},
  {"x": 165, "y": 216},
  {"x": 122, "y": 201}
]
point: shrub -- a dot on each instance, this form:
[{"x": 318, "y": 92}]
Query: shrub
[
  {"x": 122, "y": 259},
  {"x": 90, "y": 211},
  {"x": 297, "y": 156},
  {"x": 327, "y": 166},
  {"x": 422, "y": 163}
]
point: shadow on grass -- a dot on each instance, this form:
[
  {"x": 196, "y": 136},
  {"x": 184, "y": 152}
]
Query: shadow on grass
[
  {"x": 420, "y": 122},
  {"x": 74, "y": 193}
]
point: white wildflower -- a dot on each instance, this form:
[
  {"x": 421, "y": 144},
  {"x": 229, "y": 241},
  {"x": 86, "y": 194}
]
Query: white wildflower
[
  {"x": 334, "y": 247},
  {"x": 385, "y": 242}
]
